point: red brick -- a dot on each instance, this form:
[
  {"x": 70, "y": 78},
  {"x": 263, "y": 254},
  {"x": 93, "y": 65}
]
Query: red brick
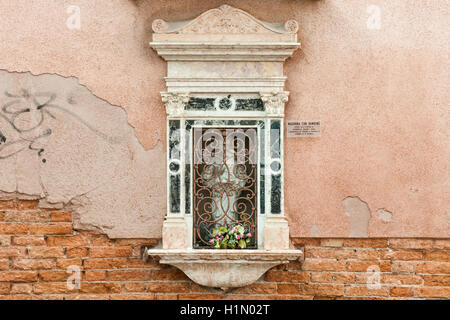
[
  {"x": 100, "y": 240},
  {"x": 27, "y": 204},
  {"x": 292, "y": 265},
  {"x": 401, "y": 292},
  {"x": 4, "y": 264},
  {"x": 432, "y": 292},
  {"x": 45, "y": 252},
  {"x": 57, "y": 216},
  {"x": 433, "y": 267},
  {"x": 105, "y": 263},
  {"x": 365, "y": 243},
  {"x": 51, "y": 288},
  {"x": 322, "y": 289},
  {"x": 12, "y": 252},
  {"x": 365, "y": 266},
  {"x": 257, "y": 288},
  {"x": 100, "y": 287},
  {"x": 71, "y": 241},
  {"x": 134, "y": 287},
  {"x": 367, "y": 254},
  {"x": 286, "y": 276},
  {"x": 18, "y": 276},
  {"x": 167, "y": 274},
  {"x": 51, "y": 229},
  {"x": 32, "y": 264},
  {"x": 323, "y": 265},
  {"x": 434, "y": 280},
  {"x": 110, "y": 252},
  {"x": 53, "y": 276},
  {"x": 5, "y": 240},
  {"x": 7, "y": 204},
  {"x": 411, "y": 243},
  {"x": 10, "y": 228},
  {"x": 401, "y": 279},
  {"x": 126, "y": 275},
  {"x": 4, "y": 288},
  {"x": 288, "y": 288},
  {"x": 441, "y": 244},
  {"x": 404, "y": 266},
  {"x": 333, "y": 277},
  {"x": 329, "y": 253},
  {"x": 175, "y": 287},
  {"x": 138, "y": 263},
  {"x": 196, "y": 288},
  {"x": 28, "y": 241},
  {"x": 76, "y": 252},
  {"x": 361, "y": 291},
  {"x": 95, "y": 275},
  {"x": 21, "y": 288},
  {"x": 390, "y": 254},
  {"x": 437, "y": 256},
  {"x": 66, "y": 263}
]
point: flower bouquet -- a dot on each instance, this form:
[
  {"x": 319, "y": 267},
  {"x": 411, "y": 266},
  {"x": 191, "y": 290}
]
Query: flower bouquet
[{"x": 230, "y": 238}]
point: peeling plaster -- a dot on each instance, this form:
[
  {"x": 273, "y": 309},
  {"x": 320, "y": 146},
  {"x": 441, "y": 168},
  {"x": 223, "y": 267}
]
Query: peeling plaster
[
  {"x": 384, "y": 215},
  {"x": 359, "y": 214},
  {"x": 65, "y": 146}
]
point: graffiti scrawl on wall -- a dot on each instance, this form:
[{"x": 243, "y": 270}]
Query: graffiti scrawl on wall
[
  {"x": 26, "y": 114},
  {"x": 64, "y": 145}
]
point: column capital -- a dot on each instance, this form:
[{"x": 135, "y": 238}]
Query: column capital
[
  {"x": 274, "y": 102},
  {"x": 175, "y": 102}
]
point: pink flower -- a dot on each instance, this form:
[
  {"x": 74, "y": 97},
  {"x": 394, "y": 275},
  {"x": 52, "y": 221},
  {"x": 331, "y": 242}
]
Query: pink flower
[
  {"x": 249, "y": 234},
  {"x": 237, "y": 237},
  {"x": 235, "y": 228},
  {"x": 211, "y": 241}
]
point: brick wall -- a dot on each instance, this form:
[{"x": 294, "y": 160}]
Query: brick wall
[{"x": 37, "y": 247}]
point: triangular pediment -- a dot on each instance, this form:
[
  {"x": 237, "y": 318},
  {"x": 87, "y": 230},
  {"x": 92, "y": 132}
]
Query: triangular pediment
[{"x": 224, "y": 20}]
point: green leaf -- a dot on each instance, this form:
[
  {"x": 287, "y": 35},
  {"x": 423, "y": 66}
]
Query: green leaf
[
  {"x": 242, "y": 244},
  {"x": 223, "y": 244},
  {"x": 223, "y": 230}
]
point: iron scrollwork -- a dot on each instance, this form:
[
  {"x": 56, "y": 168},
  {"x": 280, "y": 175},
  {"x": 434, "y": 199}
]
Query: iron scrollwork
[{"x": 225, "y": 174}]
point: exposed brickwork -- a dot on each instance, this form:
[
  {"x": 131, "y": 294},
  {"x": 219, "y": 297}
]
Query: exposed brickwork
[{"x": 37, "y": 246}]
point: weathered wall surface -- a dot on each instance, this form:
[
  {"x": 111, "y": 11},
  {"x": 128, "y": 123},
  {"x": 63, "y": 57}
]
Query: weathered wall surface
[
  {"x": 62, "y": 144},
  {"x": 40, "y": 252},
  {"x": 379, "y": 169}
]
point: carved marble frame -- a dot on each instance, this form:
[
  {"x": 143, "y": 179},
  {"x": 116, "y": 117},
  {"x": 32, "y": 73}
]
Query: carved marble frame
[{"x": 225, "y": 52}]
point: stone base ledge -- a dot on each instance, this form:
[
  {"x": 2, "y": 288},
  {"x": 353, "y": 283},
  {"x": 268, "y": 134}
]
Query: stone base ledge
[{"x": 223, "y": 268}]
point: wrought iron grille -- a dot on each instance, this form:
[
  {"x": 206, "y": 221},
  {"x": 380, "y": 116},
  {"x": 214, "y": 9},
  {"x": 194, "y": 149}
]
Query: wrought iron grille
[{"x": 225, "y": 175}]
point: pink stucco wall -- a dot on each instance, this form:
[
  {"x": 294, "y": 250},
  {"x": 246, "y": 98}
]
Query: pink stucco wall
[{"x": 382, "y": 96}]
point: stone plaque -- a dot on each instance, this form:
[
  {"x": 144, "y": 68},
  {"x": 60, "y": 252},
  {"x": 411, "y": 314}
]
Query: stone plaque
[{"x": 303, "y": 129}]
